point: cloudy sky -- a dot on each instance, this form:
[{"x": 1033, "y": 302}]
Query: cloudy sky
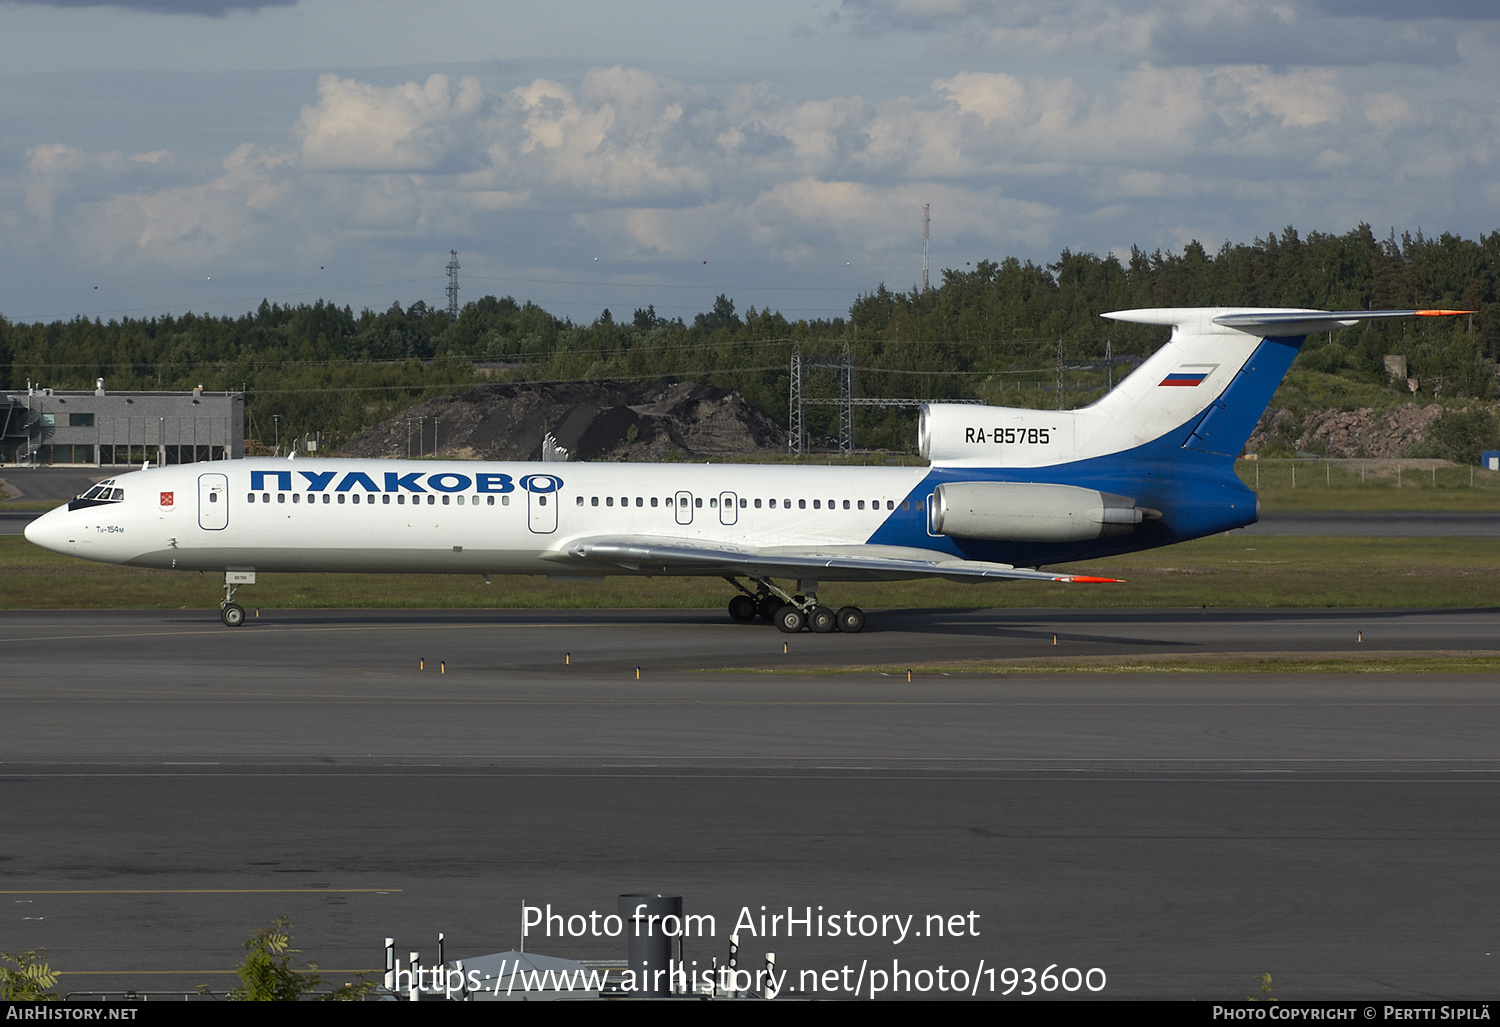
[{"x": 171, "y": 155}]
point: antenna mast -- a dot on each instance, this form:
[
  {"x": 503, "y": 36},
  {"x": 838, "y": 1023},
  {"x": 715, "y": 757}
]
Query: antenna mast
[
  {"x": 453, "y": 286},
  {"x": 926, "y": 224}
]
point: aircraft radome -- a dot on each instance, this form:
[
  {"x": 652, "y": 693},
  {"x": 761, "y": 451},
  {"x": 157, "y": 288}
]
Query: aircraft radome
[{"x": 1008, "y": 491}]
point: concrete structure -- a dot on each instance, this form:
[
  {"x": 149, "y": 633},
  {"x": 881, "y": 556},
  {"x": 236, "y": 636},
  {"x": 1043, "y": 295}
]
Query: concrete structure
[{"x": 100, "y": 429}]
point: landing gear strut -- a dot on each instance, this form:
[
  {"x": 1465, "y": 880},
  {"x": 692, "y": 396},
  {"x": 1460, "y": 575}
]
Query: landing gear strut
[
  {"x": 791, "y": 612},
  {"x": 231, "y": 612}
]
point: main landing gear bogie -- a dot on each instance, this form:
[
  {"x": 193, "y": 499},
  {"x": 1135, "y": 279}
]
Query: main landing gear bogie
[
  {"x": 792, "y": 612},
  {"x": 743, "y": 608}
]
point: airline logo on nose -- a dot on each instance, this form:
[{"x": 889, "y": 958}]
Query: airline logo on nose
[
  {"x": 1189, "y": 375},
  {"x": 167, "y": 498}
]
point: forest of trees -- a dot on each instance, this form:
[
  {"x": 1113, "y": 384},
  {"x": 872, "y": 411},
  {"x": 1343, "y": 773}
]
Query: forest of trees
[{"x": 997, "y": 331}]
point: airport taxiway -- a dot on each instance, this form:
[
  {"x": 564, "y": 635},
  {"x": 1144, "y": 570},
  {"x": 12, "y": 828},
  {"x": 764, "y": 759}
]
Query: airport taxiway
[{"x": 170, "y": 784}]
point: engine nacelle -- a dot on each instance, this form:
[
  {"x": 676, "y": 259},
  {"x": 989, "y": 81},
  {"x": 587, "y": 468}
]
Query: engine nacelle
[
  {"x": 984, "y": 436},
  {"x": 1003, "y": 511}
]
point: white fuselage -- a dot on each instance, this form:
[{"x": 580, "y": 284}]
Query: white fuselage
[{"x": 459, "y": 516}]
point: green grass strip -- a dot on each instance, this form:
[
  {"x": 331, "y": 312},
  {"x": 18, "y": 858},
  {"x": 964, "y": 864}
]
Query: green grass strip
[{"x": 1224, "y": 571}]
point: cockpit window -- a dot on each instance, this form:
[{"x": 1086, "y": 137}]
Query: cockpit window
[{"x": 104, "y": 493}]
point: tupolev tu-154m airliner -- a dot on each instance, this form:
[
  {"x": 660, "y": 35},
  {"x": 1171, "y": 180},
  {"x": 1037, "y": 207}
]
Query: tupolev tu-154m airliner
[{"x": 1008, "y": 491}]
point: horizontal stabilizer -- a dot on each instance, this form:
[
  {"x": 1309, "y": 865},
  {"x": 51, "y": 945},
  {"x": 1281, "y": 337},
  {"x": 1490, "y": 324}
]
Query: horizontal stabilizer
[{"x": 1299, "y": 322}]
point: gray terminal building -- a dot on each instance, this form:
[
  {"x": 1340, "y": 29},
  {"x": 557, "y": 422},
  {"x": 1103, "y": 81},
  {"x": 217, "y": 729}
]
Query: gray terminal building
[{"x": 101, "y": 429}]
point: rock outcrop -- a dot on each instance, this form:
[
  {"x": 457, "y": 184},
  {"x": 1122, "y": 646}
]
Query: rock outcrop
[
  {"x": 1346, "y": 433},
  {"x": 636, "y": 421}
]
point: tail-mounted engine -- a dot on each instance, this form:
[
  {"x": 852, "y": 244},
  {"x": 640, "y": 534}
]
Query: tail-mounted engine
[{"x": 1004, "y": 511}]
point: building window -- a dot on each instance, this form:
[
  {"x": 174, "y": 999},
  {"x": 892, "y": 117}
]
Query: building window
[{"x": 80, "y": 420}]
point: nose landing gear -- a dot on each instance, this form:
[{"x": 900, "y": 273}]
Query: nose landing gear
[{"x": 231, "y": 612}]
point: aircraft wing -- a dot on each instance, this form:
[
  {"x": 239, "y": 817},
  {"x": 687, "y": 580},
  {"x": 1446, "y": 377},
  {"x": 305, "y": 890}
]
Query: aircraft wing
[{"x": 689, "y": 556}]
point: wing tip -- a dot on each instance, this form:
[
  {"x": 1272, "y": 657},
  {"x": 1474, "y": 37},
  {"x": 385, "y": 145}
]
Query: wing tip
[{"x": 1085, "y": 579}]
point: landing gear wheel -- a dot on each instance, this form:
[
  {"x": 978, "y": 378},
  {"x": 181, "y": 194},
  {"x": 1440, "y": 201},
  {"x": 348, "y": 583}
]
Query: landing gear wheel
[
  {"x": 770, "y": 606},
  {"x": 743, "y": 608},
  {"x": 790, "y": 620},
  {"x": 822, "y": 620},
  {"x": 232, "y": 614},
  {"x": 851, "y": 619}
]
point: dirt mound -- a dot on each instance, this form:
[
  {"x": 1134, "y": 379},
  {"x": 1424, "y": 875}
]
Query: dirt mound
[{"x": 638, "y": 421}]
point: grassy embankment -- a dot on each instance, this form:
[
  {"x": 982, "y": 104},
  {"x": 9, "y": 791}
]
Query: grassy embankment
[
  {"x": 1225, "y": 571},
  {"x": 1370, "y": 486}
]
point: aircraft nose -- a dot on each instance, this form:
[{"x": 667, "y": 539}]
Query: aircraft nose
[{"x": 50, "y": 530}]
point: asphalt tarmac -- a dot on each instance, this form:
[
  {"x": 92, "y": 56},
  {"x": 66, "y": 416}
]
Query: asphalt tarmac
[{"x": 169, "y": 785}]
